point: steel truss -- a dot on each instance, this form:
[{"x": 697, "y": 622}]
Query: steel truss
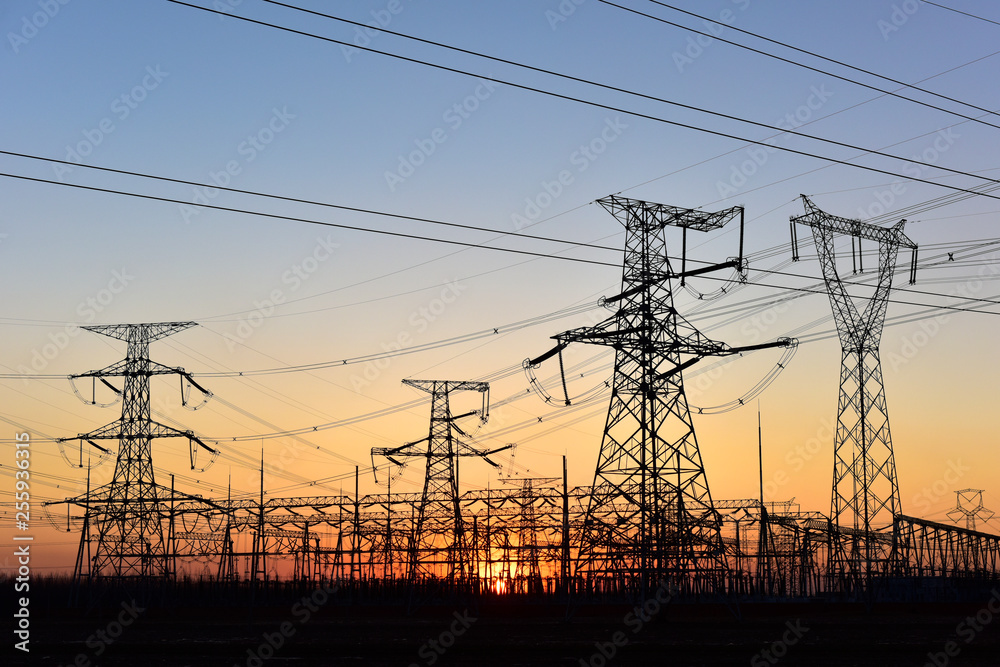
[
  {"x": 127, "y": 513},
  {"x": 651, "y": 517},
  {"x": 865, "y": 496}
]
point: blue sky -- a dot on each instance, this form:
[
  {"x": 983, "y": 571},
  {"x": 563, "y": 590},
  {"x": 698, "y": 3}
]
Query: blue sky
[{"x": 172, "y": 91}]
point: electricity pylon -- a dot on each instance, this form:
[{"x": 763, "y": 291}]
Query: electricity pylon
[
  {"x": 865, "y": 495},
  {"x": 438, "y": 542},
  {"x": 128, "y": 512},
  {"x": 650, "y": 515},
  {"x": 970, "y": 505}
]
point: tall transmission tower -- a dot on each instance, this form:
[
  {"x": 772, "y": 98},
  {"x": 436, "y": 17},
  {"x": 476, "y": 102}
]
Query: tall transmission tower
[
  {"x": 969, "y": 504},
  {"x": 865, "y": 495},
  {"x": 438, "y": 545},
  {"x": 650, "y": 515},
  {"x": 128, "y": 512}
]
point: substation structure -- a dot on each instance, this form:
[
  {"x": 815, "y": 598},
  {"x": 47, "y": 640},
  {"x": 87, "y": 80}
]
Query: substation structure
[{"x": 648, "y": 518}]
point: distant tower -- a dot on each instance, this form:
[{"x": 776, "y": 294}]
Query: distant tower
[
  {"x": 865, "y": 495},
  {"x": 970, "y": 506},
  {"x": 438, "y": 546}
]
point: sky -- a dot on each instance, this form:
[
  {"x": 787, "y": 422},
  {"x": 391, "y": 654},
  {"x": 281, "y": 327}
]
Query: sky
[{"x": 171, "y": 91}]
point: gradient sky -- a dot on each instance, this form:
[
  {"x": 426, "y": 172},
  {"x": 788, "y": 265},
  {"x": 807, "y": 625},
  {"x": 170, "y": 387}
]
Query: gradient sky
[{"x": 168, "y": 90}]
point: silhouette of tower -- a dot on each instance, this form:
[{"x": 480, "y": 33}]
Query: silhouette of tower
[
  {"x": 650, "y": 515},
  {"x": 865, "y": 495},
  {"x": 438, "y": 545},
  {"x": 128, "y": 512}
]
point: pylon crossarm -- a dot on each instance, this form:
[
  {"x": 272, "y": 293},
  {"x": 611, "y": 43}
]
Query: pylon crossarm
[
  {"x": 815, "y": 217},
  {"x": 148, "y": 332},
  {"x": 780, "y": 342},
  {"x": 110, "y": 431},
  {"x": 465, "y": 385},
  {"x": 127, "y": 368},
  {"x": 472, "y": 451},
  {"x": 663, "y": 214},
  {"x": 734, "y": 263},
  {"x": 158, "y": 430},
  {"x": 680, "y": 367},
  {"x": 605, "y": 301},
  {"x": 402, "y": 450}
]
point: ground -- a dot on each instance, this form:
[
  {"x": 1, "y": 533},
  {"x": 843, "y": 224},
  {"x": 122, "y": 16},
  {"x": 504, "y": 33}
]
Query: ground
[{"x": 338, "y": 634}]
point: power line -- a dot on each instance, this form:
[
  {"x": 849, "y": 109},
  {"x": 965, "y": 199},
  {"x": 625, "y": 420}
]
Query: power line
[
  {"x": 815, "y": 120},
  {"x": 901, "y": 319},
  {"x": 312, "y": 222},
  {"x": 349, "y": 227},
  {"x": 815, "y": 55},
  {"x": 342, "y": 207},
  {"x": 958, "y": 11},
  {"x": 486, "y": 333},
  {"x": 642, "y": 95},
  {"x": 636, "y": 113}
]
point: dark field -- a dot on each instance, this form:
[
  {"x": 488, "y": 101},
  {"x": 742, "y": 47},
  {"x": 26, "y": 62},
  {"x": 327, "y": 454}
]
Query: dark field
[{"x": 502, "y": 633}]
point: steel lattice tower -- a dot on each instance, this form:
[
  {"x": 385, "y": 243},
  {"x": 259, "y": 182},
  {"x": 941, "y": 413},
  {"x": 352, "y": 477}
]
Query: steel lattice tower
[
  {"x": 865, "y": 495},
  {"x": 128, "y": 512},
  {"x": 650, "y": 515},
  {"x": 439, "y": 541},
  {"x": 969, "y": 505}
]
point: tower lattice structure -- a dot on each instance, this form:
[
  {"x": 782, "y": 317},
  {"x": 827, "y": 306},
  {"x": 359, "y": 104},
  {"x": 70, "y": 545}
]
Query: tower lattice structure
[
  {"x": 650, "y": 516},
  {"x": 439, "y": 546},
  {"x": 969, "y": 505},
  {"x": 865, "y": 496},
  {"x": 128, "y": 513}
]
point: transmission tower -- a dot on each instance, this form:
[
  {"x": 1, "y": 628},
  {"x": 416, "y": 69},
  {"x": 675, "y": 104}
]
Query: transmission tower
[
  {"x": 650, "y": 515},
  {"x": 865, "y": 495},
  {"x": 128, "y": 512},
  {"x": 970, "y": 505},
  {"x": 528, "y": 569},
  {"x": 438, "y": 541}
]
